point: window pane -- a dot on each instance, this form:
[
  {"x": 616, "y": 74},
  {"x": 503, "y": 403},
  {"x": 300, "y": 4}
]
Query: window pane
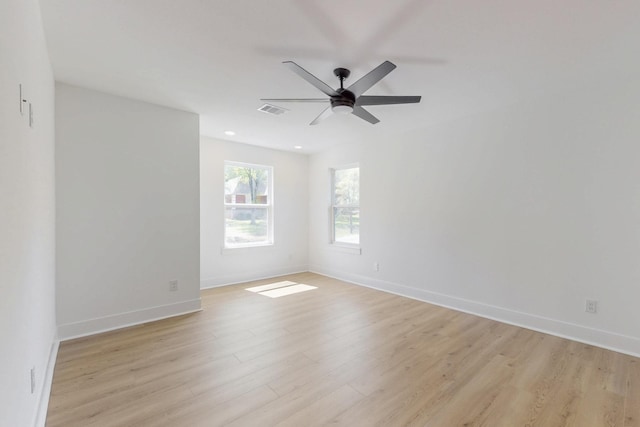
[
  {"x": 246, "y": 225},
  {"x": 248, "y": 204},
  {"x": 346, "y": 225},
  {"x": 246, "y": 184},
  {"x": 347, "y": 186}
]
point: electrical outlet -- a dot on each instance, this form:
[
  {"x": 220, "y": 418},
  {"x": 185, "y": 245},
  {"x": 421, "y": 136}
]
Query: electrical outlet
[
  {"x": 376, "y": 266},
  {"x": 33, "y": 380},
  {"x": 591, "y": 306},
  {"x": 173, "y": 285}
]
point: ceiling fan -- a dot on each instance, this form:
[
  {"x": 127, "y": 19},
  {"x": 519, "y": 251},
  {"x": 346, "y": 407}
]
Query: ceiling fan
[{"x": 349, "y": 100}]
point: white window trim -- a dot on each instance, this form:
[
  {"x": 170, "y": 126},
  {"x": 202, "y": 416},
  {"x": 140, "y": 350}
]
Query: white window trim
[
  {"x": 228, "y": 249},
  {"x": 352, "y": 248}
]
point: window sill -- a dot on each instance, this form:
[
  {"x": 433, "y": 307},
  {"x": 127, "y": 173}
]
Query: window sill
[
  {"x": 243, "y": 249},
  {"x": 354, "y": 250}
]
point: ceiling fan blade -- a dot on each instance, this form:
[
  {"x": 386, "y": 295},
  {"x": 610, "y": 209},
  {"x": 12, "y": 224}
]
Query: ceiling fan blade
[
  {"x": 325, "y": 113},
  {"x": 373, "y": 77},
  {"x": 295, "y": 99},
  {"x": 384, "y": 100},
  {"x": 364, "y": 115},
  {"x": 319, "y": 84}
]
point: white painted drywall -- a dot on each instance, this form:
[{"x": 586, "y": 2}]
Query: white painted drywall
[
  {"x": 127, "y": 189},
  {"x": 288, "y": 254},
  {"x": 518, "y": 214},
  {"x": 27, "y": 209}
]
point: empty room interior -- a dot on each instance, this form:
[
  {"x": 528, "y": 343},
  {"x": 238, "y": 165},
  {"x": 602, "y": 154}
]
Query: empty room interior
[{"x": 304, "y": 212}]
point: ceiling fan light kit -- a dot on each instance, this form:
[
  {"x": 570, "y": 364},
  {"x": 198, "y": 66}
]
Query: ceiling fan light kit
[{"x": 351, "y": 99}]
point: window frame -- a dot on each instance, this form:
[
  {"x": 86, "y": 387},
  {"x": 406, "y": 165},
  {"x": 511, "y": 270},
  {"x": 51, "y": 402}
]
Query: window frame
[
  {"x": 333, "y": 206},
  {"x": 269, "y": 206}
]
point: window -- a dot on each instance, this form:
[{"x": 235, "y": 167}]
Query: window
[
  {"x": 248, "y": 204},
  {"x": 345, "y": 205}
]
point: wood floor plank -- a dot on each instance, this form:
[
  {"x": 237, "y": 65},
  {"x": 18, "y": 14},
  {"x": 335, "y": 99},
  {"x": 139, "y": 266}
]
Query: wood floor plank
[
  {"x": 342, "y": 355},
  {"x": 632, "y": 396},
  {"x": 211, "y": 415},
  {"x": 313, "y": 389},
  {"x": 322, "y": 410}
]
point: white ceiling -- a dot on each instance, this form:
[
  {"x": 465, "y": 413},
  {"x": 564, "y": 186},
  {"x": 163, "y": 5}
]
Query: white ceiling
[{"x": 219, "y": 57}]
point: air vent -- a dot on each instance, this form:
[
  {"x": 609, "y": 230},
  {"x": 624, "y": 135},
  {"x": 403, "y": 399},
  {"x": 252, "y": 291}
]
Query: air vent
[{"x": 272, "y": 109}]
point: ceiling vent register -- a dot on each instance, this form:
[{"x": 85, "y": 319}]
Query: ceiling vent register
[{"x": 272, "y": 109}]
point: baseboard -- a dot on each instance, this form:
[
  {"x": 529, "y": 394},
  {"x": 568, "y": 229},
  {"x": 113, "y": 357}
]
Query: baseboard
[
  {"x": 108, "y": 323},
  {"x": 605, "y": 339},
  {"x": 45, "y": 392},
  {"x": 249, "y": 276}
]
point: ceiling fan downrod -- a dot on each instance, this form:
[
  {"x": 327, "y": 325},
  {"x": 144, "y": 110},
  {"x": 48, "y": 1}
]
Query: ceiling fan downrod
[{"x": 342, "y": 74}]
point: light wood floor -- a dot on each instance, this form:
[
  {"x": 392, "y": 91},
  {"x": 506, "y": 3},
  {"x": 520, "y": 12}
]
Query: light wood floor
[{"x": 341, "y": 355}]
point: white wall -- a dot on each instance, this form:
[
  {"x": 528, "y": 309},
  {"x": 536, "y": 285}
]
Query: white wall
[
  {"x": 127, "y": 184},
  {"x": 518, "y": 214},
  {"x": 27, "y": 240},
  {"x": 289, "y": 252}
]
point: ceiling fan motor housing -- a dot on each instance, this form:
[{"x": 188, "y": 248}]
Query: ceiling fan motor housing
[{"x": 344, "y": 102}]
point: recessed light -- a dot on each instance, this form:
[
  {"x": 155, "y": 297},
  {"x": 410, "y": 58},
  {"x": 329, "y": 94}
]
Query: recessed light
[
  {"x": 229, "y": 132},
  {"x": 298, "y": 147}
]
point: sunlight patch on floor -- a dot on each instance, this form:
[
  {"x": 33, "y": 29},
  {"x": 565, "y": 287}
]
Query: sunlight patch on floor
[
  {"x": 270, "y": 286},
  {"x": 280, "y": 289},
  {"x": 288, "y": 290}
]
